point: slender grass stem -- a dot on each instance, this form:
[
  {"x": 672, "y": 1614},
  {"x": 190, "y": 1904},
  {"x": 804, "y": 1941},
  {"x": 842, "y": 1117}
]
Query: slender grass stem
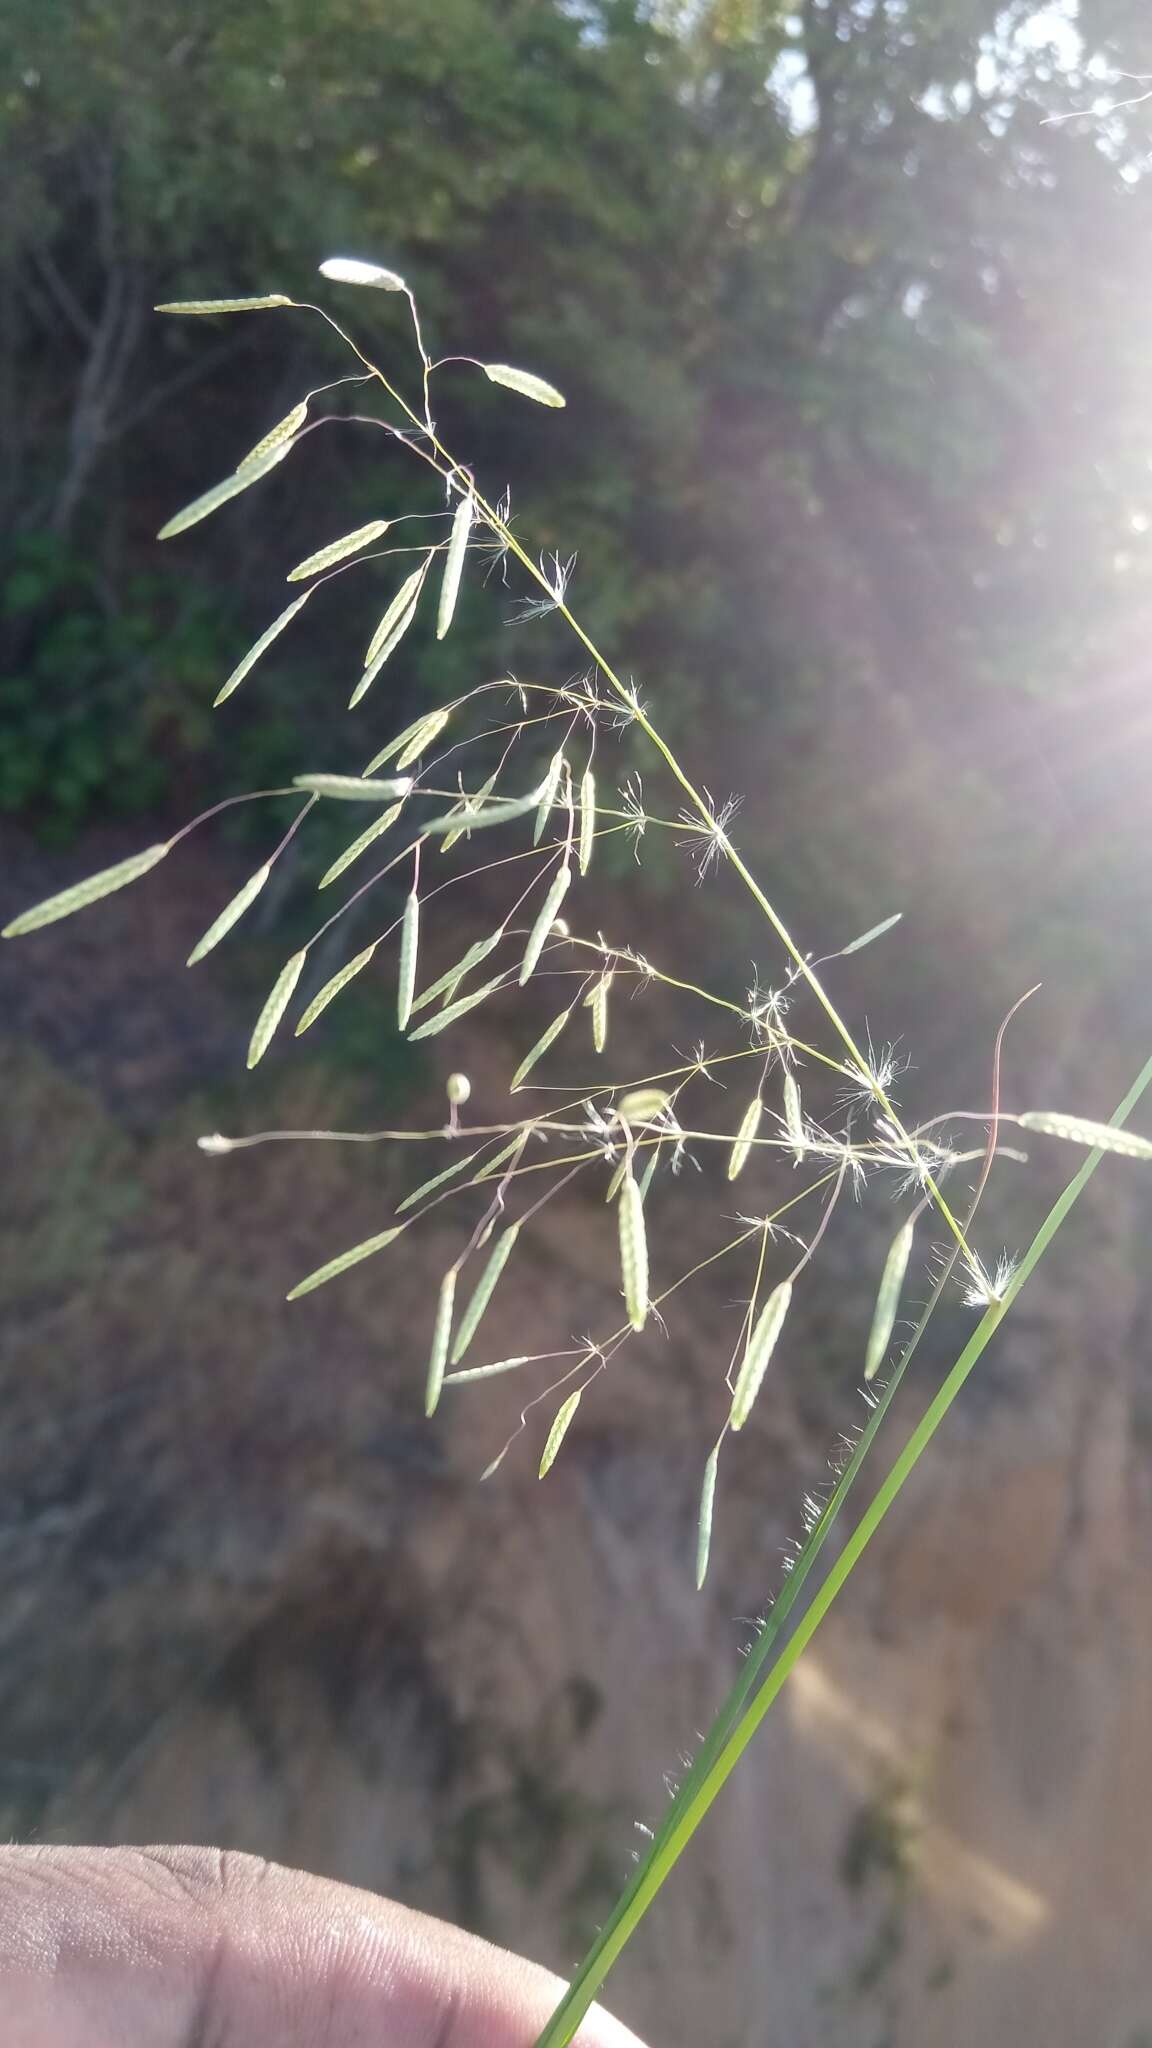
[{"x": 716, "y": 1763}]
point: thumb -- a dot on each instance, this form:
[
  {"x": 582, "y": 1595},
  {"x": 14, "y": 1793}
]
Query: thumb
[{"x": 178, "y": 1947}]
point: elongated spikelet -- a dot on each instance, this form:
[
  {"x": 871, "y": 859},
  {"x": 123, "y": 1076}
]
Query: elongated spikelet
[
  {"x": 343, "y": 1260},
  {"x": 220, "y": 493},
  {"x": 275, "y": 1007},
  {"x": 761, "y": 1345},
  {"x": 587, "y": 819},
  {"x": 597, "y": 1001},
  {"x": 491, "y": 1168},
  {"x": 646, "y": 1177},
  {"x": 524, "y": 382},
  {"x": 476, "y": 818},
  {"x": 409, "y": 945},
  {"x": 412, "y": 742},
  {"x": 549, "y": 911},
  {"x": 888, "y": 1299},
  {"x": 633, "y": 1251},
  {"x": 443, "y": 1018},
  {"x": 454, "y": 561},
  {"x": 794, "y": 1117},
  {"x": 81, "y": 894},
  {"x": 1052, "y": 1123},
  {"x": 437, "y": 1180},
  {"x": 332, "y": 988},
  {"x": 445, "y": 983},
  {"x": 643, "y": 1105},
  {"x": 548, "y": 791},
  {"x": 704, "y": 1522},
  {"x": 470, "y": 803},
  {"x": 224, "y": 305},
  {"x": 356, "y": 789},
  {"x": 559, "y": 1431},
  {"x": 745, "y": 1138},
  {"x": 875, "y": 931},
  {"x": 546, "y": 1038},
  {"x": 441, "y": 1338},
  {"x": 487, "y": 1372},
  {"x": 249, "y": 661},
  {"x": 282, "y": 431},
  {"x": 337, "y": 550},
  {"x": 352, "y": 270},
  {"x": 230, "y": 913},
  {"x": 391, "y": 630},
  {"x": 372, "y": 832},
  {"x": 419, "y": 742},
  {"x": 406, "y": 595},
  {"x": 485, "y": 1288}
]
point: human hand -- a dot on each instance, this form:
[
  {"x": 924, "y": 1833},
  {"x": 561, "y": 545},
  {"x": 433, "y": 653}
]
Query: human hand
[{"x": 206, "y": 1948}]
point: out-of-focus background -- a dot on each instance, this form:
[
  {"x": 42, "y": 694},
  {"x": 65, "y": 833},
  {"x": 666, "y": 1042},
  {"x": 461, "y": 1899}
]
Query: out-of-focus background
[{"x": 851, "y": 303}]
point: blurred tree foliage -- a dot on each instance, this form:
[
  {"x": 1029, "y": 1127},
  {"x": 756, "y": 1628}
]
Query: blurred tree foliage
[{"x": 852, "y": 322}]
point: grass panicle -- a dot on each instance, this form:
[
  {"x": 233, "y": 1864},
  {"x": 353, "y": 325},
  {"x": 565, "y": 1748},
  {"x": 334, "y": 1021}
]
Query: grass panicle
[{"x": 848, "y": 1135}]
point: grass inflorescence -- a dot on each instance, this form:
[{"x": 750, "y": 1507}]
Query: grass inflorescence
[{"x": 514, "y": 778}]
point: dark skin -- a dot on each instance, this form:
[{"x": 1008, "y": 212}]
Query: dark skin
[{"x": 206, "y": 1948}]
